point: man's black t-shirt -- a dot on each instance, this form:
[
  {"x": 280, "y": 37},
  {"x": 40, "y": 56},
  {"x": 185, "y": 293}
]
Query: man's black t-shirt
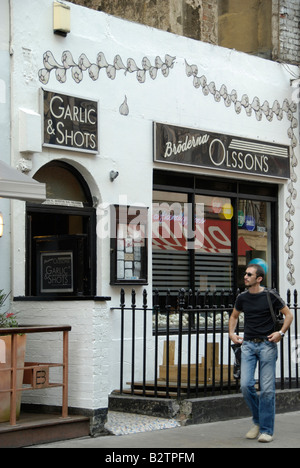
[{"x": 258, "y": 318}]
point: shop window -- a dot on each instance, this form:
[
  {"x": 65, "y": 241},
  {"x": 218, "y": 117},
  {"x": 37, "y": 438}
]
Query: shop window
[
  {"x": 214, "y": 257},
  {"x": 254, "y": 236},
  {"x": 61, "y": 241},
  {"x": 204, "y": 241},
  {"x": 192, "y": 242},
  {"x": 171, "y": 260}
]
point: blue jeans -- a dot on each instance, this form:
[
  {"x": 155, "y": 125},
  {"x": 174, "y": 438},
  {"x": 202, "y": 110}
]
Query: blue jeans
[{"x": 262, "y": 405}]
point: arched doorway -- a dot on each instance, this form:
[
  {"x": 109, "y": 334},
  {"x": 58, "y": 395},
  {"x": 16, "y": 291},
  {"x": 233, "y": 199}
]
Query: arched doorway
[{"x": 61, "y": 236}]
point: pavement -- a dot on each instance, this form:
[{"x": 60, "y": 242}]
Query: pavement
[{"x": 186, "y": 440}]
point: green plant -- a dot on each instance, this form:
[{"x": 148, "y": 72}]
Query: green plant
[{"x": 7, "y": 319}]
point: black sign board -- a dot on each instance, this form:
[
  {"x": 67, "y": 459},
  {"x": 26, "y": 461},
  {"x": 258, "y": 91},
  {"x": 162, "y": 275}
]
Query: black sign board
[
  {"x": 57, "y": 272},
  {"x": 197, "y": 148},
  {"x": 70, "y": 122}
]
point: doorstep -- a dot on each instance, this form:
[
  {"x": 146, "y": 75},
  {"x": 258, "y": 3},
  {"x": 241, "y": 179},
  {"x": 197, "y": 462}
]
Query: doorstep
[{"x": 33, "y": 429}]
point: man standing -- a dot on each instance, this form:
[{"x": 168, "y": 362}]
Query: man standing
[{"x": 259, "y": 345}]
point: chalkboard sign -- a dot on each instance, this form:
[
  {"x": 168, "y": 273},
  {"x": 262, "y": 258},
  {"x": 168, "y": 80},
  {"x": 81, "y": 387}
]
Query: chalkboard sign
[{"x": 57, "y": 272}]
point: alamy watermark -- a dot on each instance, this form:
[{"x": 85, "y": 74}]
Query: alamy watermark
[
  {"x": 296, "y": 351},
  {"x": 167, "y": 220}
]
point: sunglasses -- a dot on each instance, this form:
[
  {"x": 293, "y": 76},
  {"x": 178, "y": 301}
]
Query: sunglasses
[{"x": 249, "y": 274}]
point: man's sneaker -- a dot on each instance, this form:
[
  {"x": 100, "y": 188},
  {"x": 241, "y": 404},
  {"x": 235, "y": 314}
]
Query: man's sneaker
[
  {"x": 253, "y": 433},
  {"x": 265, "y": 438}
]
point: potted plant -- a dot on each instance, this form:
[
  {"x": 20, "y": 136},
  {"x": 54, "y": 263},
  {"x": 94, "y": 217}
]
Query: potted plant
[{"x": 9, "y": 320}]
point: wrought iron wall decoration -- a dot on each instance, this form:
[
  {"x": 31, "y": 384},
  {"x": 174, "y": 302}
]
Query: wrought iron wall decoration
[
  {"x": 230, "y": 98},
  {"x": 94, "y": 69}
]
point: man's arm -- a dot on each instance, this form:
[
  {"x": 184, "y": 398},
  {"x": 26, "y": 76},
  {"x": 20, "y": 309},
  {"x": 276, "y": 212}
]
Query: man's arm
[
  {"x": 233, "y": 321},
  {"x": 276, "y": 337}
]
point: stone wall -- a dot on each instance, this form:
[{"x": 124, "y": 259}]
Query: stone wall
[
  {"x": 267, "y": 28},
  {"x": 176, "y": 16},
  {"x": 246, "y": 26}
]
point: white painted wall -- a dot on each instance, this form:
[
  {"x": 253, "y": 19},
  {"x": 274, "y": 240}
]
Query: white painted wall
[
  {"x": 126, "y": 145},
  {"x": 5, "y": 270}
]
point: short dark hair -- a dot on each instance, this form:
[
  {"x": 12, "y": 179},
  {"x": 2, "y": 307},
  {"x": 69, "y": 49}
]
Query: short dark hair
[{"x": 260, "y": 272}]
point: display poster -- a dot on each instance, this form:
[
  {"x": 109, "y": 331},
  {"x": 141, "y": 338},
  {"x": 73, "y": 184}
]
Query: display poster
[{"x": 57, "y": 272}]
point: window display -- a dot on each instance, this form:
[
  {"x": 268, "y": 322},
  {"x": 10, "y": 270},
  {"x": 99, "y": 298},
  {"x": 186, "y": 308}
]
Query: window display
[
  {"x": 254, "y": 236},
  {"x": 129, "y": 245},
  {"x": 61, "y": 237},
  {"x": 206, "y": 231}
]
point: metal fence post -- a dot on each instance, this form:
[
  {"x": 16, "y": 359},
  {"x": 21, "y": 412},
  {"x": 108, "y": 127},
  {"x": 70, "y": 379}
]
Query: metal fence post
[{"x": 204, "y": 354}]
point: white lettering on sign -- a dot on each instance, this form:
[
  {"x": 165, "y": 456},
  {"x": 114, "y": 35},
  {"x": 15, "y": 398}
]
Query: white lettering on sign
[
  {"x": 70, "y": 122},
  {"x": 77, "y": 139},
  {"x": 182, "y": 147},
  {"x": 198, "y": 148},
  {"x": 232, "y": 159},
  {"x": 57, "y": 272},
  {"x": 75, "y": 113},
  {"x": 236, "y": 160}
]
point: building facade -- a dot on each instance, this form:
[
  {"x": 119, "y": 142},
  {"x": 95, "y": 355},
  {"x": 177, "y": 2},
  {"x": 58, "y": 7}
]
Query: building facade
[
  {"x": 5, "y": 137},
  {"x": 169, "y": 163},
  {"x": 268, "y": 29}
]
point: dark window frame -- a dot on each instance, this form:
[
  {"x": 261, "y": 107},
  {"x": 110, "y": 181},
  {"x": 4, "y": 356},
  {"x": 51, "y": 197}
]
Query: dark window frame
[
  {"x": 90, "y": 216},
  {"x": 212, "y": 186},
  {"x": 84, "y": 210}
]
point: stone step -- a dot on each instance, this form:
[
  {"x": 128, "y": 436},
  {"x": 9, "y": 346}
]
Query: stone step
[
  {"x": 33, "y": 429},
  {"x": 125, "y": 423}
]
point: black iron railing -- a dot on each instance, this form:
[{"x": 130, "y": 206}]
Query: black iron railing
[{"x": 179, "y": 346}]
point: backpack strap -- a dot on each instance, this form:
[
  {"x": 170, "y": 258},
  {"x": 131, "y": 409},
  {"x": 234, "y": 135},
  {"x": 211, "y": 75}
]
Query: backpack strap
[{"x": 271, "y": 306}]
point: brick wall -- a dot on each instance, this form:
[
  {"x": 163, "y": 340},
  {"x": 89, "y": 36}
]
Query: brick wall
[
  {"x": 209, "y": 21},
  {"x": 289, "y": 31}
]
